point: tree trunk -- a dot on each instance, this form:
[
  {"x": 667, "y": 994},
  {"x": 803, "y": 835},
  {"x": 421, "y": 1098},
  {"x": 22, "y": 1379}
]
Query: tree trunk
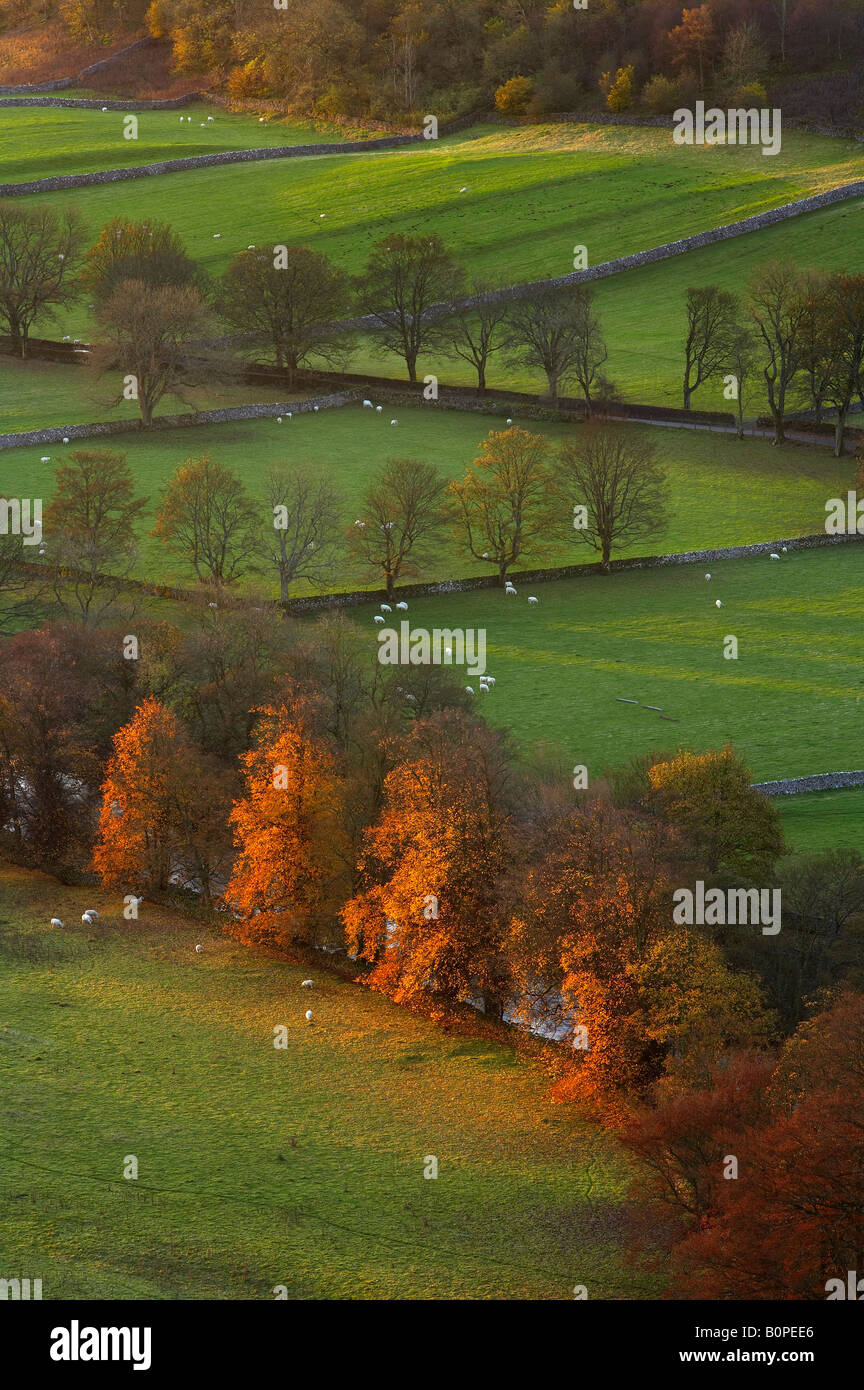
[
  {"x": 411, "y": 364},
  {"x": 839, "y": 434},
  {"x": 552, "y": 378},
  {"x": 481, "y": 377},
  {"x": 687, "y": 395},
  {"x": 605, "y": 552}
]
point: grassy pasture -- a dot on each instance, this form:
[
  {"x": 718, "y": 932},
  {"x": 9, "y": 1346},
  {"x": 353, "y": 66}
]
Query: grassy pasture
[
  {"x": 43, "y": 142},
  {"x": 301, "y": 1166},
  {"x": 824, "y": 820},
  {"x": 792, "y": 702},
  {"x": 723, "y": 492}
]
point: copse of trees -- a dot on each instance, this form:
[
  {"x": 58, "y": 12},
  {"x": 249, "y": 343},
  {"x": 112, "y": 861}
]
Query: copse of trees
[{"x": 800, "y": 331}]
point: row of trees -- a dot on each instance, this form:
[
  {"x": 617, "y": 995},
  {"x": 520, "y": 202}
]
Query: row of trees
[
  {"x": 516, "y": 499},
  {"x": 154, "y": 307},
  {"x": 801, "y": 332}
]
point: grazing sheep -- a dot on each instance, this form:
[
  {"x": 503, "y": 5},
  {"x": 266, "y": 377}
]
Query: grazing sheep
[
  {"x": 308, "y": 1015},
  {"x": 707, "y": 576},
  {"x": 45, "y": 459},
  {"x": 211, "y": 118},
  {"x": 104, "y": 108},
  {"x": 199, "y": 949},
  {"x": 532, "y": 599},
  {"x": 378, "y": 409},
  {"x": 65, "y": 439},
  {"x": 55, "y": 922},
  {"x": 216, "y": 236},
  {"x": 394, "y": 422},
  {"x": 316, "y": 407},
  {"x": 367, "y": 405},
  {"x": 509, "y": 422},
  {"x": 278, "y": 419},
  {"x": 306, "y": 984},
  {"x": 785, "y": 549},
  {"x": 484, "y": 689},
  {"x": 774, "y": 555},
  {"x": 469, "y": 690},
  {"x": 490, "y": 680},
  {"x": 718, "y": 604},
  {"x": 90, "y": 912},
  {"x": 403, "y": 605},
  {"x": 378, "y": 618},
  {"x": 385, "y": 608},
  {"x": 510, "y": 590},
  {"x": 463, "y": 190}
]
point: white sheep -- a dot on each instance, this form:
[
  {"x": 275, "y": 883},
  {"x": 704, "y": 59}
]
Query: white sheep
[
  {"x": 199, "y": 949},
  {"x": 90, "y": 912},
  {"x": 785, "y": 549},
  {"x": 55, "y": 922},
  {"x": 532, "y": 599},
  {"x": 251, "y": 247},
  {"x": 316, "y": 407},
  {"x": 463, "y": 190},
  {"x": 385, "y": 608},
  {"x": 394, "y": 422},
  {"x": 216, "y": 236},
  {"x": 707, "y": 576},
  {"x": 378, "y": 618},
  {"x": 211, "y": 118},
  {"x": 308, "y": 1015},
  {"x": 509, "y": 422},
  {"x": 367, "y": 405},
  {"x": 403, "y": 606},
  {"x": 510, "y": 590},
  {"x": 378, "y": 409},
  {"x": 490, "y": 680},
  {"x": 469, "y": 689},
  {"x": 278, "y": 419},
  {"x": 65, "y": 439},
  {"x": 484, "y": 689},
  {"x": 46, "y": 458},
  {"x": 306, "y": 984},
  {"x": 718, "y": 604},
  {"x": 774, "y": 556}
]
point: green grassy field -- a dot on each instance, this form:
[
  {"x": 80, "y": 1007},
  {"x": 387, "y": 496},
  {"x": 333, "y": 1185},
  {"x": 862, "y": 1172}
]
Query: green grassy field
[
  {"x": 42, "y": 142},
  {"x": 42, "y": 395},
  {"x": 824, "y": 820},
  {"x": 792, "y": 702},
  {"x": 723, "y": 492},
  {"x": 257, "y": 1167}
]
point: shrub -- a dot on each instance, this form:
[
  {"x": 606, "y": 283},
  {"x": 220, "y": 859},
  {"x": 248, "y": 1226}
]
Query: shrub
[
  {"x": 619, "y": 90},
  {"x": 513, "y": 97},
  {"x": 660, "y": 95}
]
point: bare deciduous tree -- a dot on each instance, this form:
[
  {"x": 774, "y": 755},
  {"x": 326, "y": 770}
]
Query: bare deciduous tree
[
  {"x": 305, "y": 518},
  {"x": 294, "y": 298},
  {"x": 710, "y": 318},
  {"x": 90, "y": 530},
  {"x": 506, "y": 499},
  {"x": 404, "y": 509},
  {"x": 558, "y": 332},
  {"x": 404, "y": 279},
  {"x": 148, "y": 338},
  {"x": 39, "y": 248},
  {"x": 473, "y": 333},
  {"x": 207, "y": 519},
  {"x": 614, "y": 474},
  {"x": 778, "y": 306}
]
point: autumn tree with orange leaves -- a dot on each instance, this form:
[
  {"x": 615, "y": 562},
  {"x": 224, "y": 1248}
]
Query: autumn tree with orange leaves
[
  {"x": 164, "y": 809},
  {"x": 429, "y": 914},
  {"x": 789, "y": 1218},
  {"x": 650, "y": 998},
  {"x": 292, "y": 869}
]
